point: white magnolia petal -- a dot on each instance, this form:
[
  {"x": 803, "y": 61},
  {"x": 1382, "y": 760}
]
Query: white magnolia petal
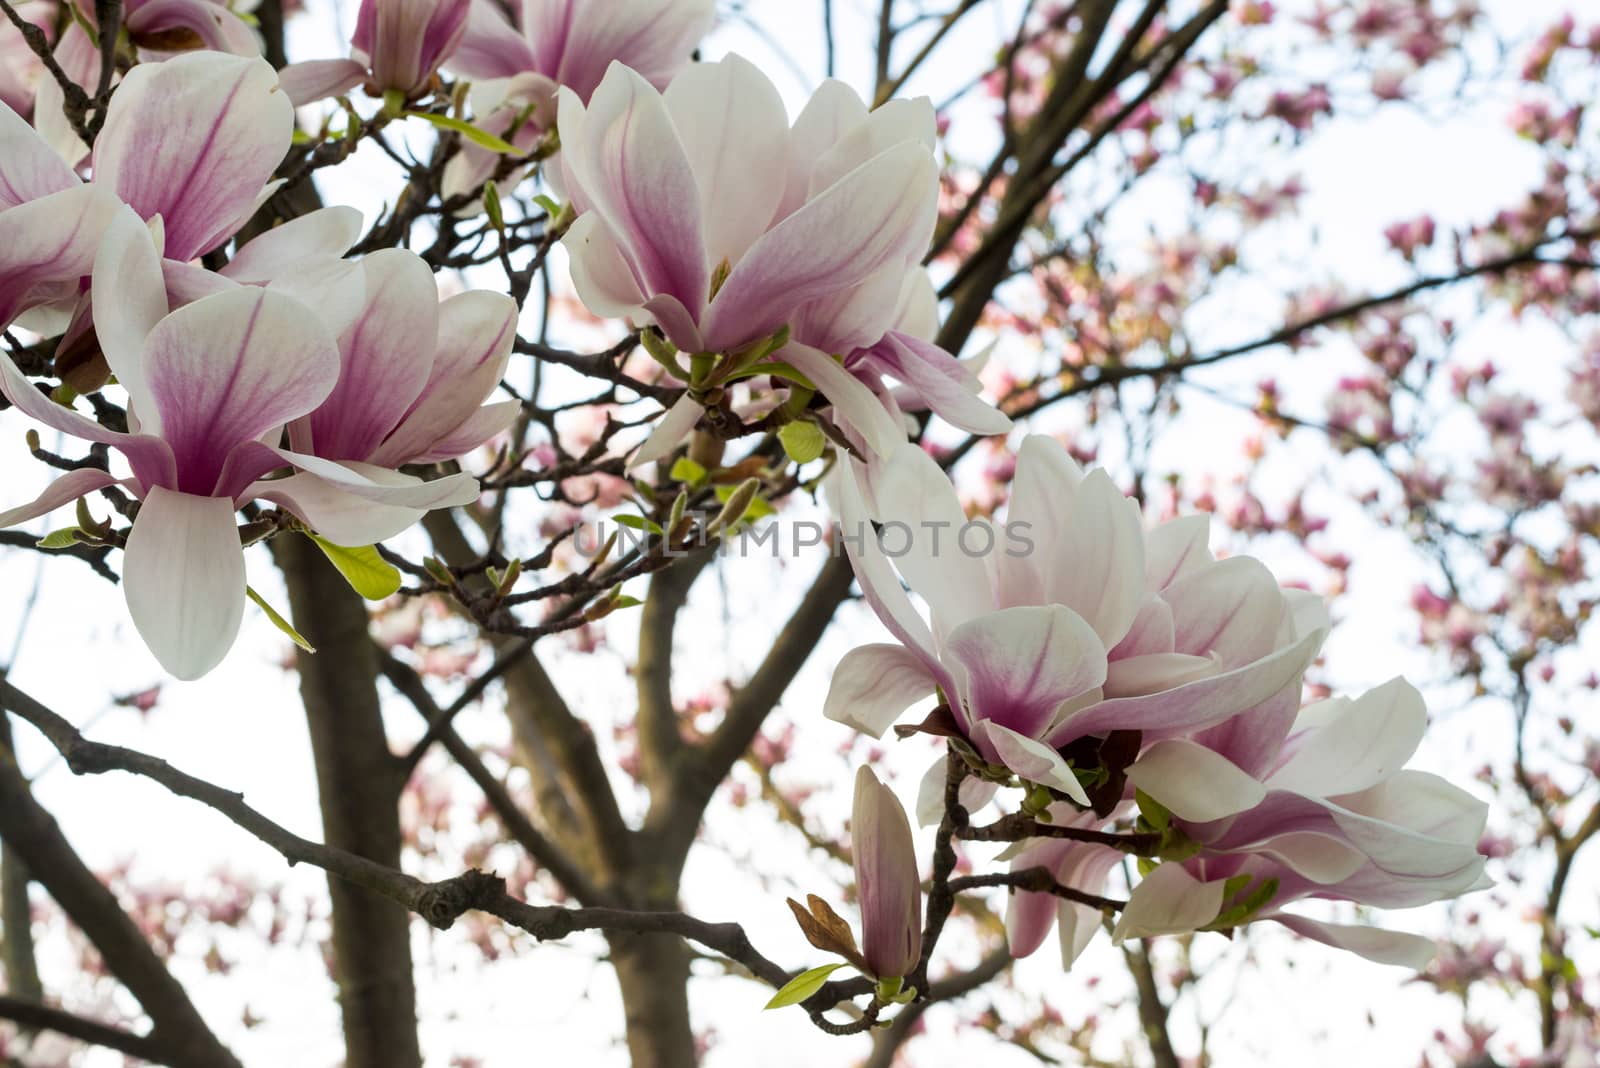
[
  {"x": 183, "y": 577},
  {"x": 1168, "y": 901},
  {"x": 64, "y": 490},
  {"x": 129, "y": 291},
  {"x": 1033, "y": 760},
  {"x": 1371, "y": 740},
  {"x": 1195, "y": 783},
  {"x": 1374, "y": 943},
  {"x": 873, "y": 685},
  {"x": 669, "y": 432},
  {"x": 340, "y": 516}
]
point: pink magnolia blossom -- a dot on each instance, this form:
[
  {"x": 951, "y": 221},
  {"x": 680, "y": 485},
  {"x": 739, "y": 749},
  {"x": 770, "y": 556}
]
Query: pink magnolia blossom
[
  {"x": 414, "y": 373},
  {"x": 1079, "y": 865},
  {"x": 209, "y": 386},
  {"x": 1333, "y": 814},
  {"x": 561, "y": 43},
  {"x": 736, "y": 225},
  {"x": 888, "y": 884},
  {"x": 397, "y": 45},
  {"x": 1069, "y": 622}
]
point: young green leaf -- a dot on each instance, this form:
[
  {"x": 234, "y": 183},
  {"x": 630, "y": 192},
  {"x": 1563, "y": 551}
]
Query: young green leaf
[
  {"x": 367, "y": 572},
  {"x": 481, "y": 138},
  {"x": 802, "y": 986},
  {"x": 802, "y": 441},
  {"x": 59, "y": 539},
  {"x": 278, "y": 621}
]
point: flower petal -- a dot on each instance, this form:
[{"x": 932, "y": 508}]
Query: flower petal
[
  {"x": 478, "y": 428},
  {"x": 881, "y": 212},
  {"x": 1371, "y": 739},
  {"x": 29, "y": 168},
  {"x": 385, "y": 358},
  {"x": 669, "y": 432},
  {"x": 226, "y": 369},
  {"x": 318, "y": 79},
  {"x": 1021, "y": 664},
  {"x": 854, "y": 405},
  {"x": 194, "y": 140},
  {"x": 491, "y": 46},
  {"x": 325, "y": 232},
  {"x": 1168, "y": 901},
  {"x": 873, "y": 685},
  {"x": 129, "y": 291},
  {"x": 941, "y": 384},
  {"x": 1031, "y": 759},
  {"x": 735, "y": 134},
  {"x": 342, "y": 517},
  {"x": 476, "y": 332},
  {"x": 630, "y": 165},
  {"x": 1195, "y": 783},
  {"x": 64, "y": 490},
  {"x": 47, "y": 245},
  {"x": 1374, "y": 943},
  {"x": 183, "y": 577}
]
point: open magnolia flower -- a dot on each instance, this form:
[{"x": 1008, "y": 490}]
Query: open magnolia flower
[
  {"x": 701, "y": 212},
  {"x": 210, "y": 386},
  {"x": 202, "y": 174},
  {"x": 1068, "y": 623},
  {"x": 1332, "y": 814}
]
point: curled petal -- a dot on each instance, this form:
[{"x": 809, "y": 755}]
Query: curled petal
[
  {"x": 1168, "y": 901},
  {"x": 64, "y": 490},
  {"x": 1194, "y": 782}
]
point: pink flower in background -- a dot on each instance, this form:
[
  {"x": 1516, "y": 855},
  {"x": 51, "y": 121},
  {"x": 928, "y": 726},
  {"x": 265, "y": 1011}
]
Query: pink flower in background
[
  {"x": 209, "y": 386},
  {"x": 20, "y": 69},
  {"x": 888, "y": 883},
  {"x": 1071, "y": 621}
]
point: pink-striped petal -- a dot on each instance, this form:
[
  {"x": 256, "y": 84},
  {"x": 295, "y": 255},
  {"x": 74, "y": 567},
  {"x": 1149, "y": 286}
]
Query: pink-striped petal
[
  {"x": 226, "y": 369},
  {"x": 64, "y": 490},
  {"x": 873, "y": 685},
  {"x": 318, "y": 79},
  {"x": 47, "y": 246},
  {"x": 194, "y": 140},
  {"x": 29, "y": 168},
  {"x": 1021, "y": 664},
  {"x": 323, "y": 233},
  {"x": 880, "y": 213}
]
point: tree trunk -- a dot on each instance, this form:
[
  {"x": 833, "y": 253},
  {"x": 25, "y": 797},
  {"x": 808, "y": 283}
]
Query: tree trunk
[
  {"x": 653, "y": 971},
  {"x": 359, "y": 780}
]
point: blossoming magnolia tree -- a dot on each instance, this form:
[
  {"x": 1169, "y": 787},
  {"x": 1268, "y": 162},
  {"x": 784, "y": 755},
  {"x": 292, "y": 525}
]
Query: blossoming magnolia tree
[{"x": 626, "y": 310}]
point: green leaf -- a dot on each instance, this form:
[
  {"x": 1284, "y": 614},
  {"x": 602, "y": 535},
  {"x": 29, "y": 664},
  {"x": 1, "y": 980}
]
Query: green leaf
[
  {"x": 491, "y": 206},
  {"x": 625, "y": 601},
  {"x": 549, "y": 204},
  {"x": 686, "y": 470},
  {"x": 776, "y": 369},
  {"x": 803, "y": 986},
  {"x": 367, "y": 572},
  {"x": 802, "y": 441},
  {"x": 481, "y": 138},
  {"x": 638, "y": 522},
  {"x": 1153, "y": 812},
  {"x": 59, "y": 539},
  {"x": 277, "y": 620}
]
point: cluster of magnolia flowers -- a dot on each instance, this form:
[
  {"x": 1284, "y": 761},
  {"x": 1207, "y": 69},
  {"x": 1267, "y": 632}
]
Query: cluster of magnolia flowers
[{"x": 1118, "y": 676}]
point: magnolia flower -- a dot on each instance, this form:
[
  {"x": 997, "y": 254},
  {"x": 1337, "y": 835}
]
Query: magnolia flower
[
  {"x": 1070, "y": 622},
  {"x": 566, "y": 43},
  {"x": 701, "y": 212},
  {"x": 398, "y": 45},
  {"x": 887, "y": 882},
  {"x": 413, "y": 376},
  {"x": 209, "y": 386},
  {"x": 158, "y": 29},
  {"x": 1331, "y": 814}
]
